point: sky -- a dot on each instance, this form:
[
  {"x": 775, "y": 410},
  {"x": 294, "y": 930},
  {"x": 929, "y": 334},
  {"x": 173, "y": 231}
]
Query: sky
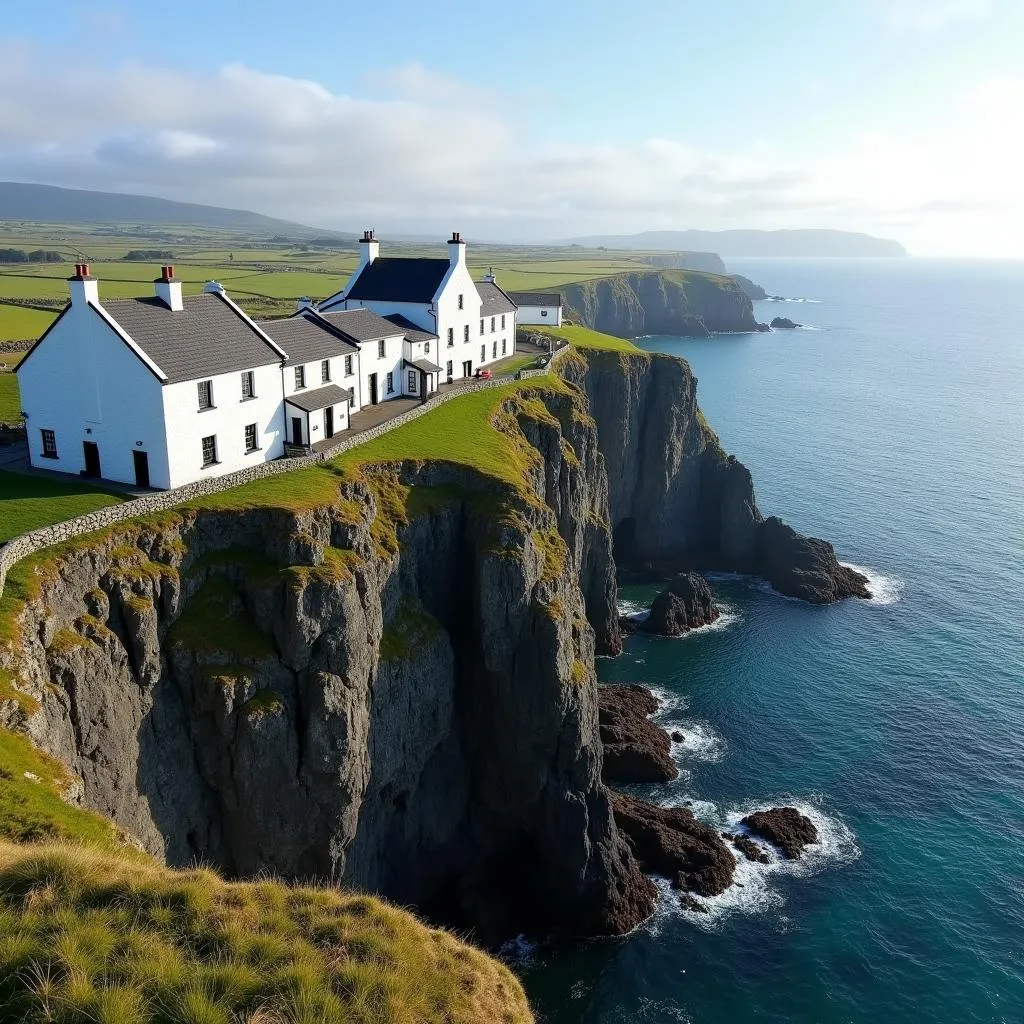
[{"x": 537, "y": 120}]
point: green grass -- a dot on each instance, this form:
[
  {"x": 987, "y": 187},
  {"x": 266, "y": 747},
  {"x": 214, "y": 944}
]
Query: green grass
[
  {"x": 90, "y": 937},
  {"x": 28, "y": 502},
  {"x": 19, "y": 323},
  {"x": 584, "y": 337},
  {"x": 10, "y": 400},
  {"x": 216, "y": 620},
  {"x": 412, "y": 627}
]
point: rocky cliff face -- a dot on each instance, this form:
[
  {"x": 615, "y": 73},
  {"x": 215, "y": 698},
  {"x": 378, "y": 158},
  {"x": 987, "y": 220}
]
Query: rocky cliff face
[{"x": 676, "y": 302}]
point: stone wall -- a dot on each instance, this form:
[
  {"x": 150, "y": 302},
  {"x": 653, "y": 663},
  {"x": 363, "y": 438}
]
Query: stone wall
[{"x": 20, "y": 547}]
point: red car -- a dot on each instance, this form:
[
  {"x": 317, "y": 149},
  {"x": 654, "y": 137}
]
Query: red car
[{"x": 484, "y": 374}]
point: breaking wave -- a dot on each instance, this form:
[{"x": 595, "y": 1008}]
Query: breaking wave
[{"x": 884, "y": 589}]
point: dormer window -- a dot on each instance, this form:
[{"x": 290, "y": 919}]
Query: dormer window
[
  {"x": 300, "y": 378},
  {"x": 460, "y": 301}
]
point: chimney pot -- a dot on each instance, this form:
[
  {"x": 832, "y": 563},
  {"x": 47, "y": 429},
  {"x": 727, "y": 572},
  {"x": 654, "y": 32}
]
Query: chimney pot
[{"x": 167, "y": 273}]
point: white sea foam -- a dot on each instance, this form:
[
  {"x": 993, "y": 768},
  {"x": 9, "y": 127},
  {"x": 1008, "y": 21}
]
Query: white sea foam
[
  {"x": 884, "y": 589},
  {"x": 637, "y": 611},
  {"x": 518, "y": 952},
  {"x": 700, "y": 742},
  {"x": 781, "y": 298},
  {"x": 755, "y": 888}
]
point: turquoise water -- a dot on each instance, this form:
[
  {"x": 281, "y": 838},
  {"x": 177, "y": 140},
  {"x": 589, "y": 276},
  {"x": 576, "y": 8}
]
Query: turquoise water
[{"x": 894, "y": 429}]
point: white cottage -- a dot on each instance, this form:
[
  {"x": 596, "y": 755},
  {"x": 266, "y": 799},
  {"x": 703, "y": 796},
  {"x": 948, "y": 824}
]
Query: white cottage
[
  {"x": 538, "y": 307},
  {"x": 155, "y": 392}
]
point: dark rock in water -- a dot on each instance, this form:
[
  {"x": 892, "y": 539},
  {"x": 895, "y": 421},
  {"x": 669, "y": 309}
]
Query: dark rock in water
[
  {"x": 676, "y": 736},
  {"x": 635, "y": 749},
  {"x": 806, "y": 567},
  {"x": 784, "y": 827},
  {"x": 670, "y": 841},
  {"x": 687, "y": 902},
  {"x": 685, "y": 604},
  {"x": 783, "y": 323},
  {"x": 750, "y": 849}
]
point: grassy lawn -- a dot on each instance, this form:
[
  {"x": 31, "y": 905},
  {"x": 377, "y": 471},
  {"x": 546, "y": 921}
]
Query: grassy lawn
[
  {"x": 10, "y": 402},
  {"x": 27, "y": 502},
  {"x": 583, "y": 337},
  {"x": 19, "y": 323}
]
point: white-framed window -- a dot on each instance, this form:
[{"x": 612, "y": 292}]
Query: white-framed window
[
  {"x": 543, "y": 312},
  {"x": 504, "y": 345},
  {"x": 448, "y": 368},
  {"x": 348, "y": 366},
  {"x": 492, "y": 325},
  {"x": 465, "y": 334},
  {"x": 300, "y": 378},
  {"x": 494, "y": 351},
  {"x": 205, "y": 388},
  {"x": 248, "y": 385},
  {"x": 451, "y": 337},
  {"x": 382, "y": 348},
  {"x": 390, "y": 382},
  {"x": 210, "y": 450},
  {"x": 503, "y": 321},
  {"x": 50, "y": 443},
  {"x": 460, "y": 300},
  {"x": 483, "y": 353},
  {"x": 481, "y": 327},
  {"x": 251, "y": 443},
  {"x": 426, "y": 347},
  {"x": 325, "y": 371},
  {"x": 412, "y": 380}
]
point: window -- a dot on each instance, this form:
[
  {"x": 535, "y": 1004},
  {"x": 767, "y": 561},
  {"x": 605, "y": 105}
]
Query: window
[
  {"x": 451, "y": 337},
  {"x": 210, "y": 450},
  {"x": 481, "y": 327},
  {"x": 325, "y": 371},
  {"x": 412, "y": 380},
  {"x": 205, "y": 394},
  {"x": 250, "y": 438},
  {"x": 494, "y": 351},
  {"x": 382, "y": 349},
  {"x": 504, "y": 344},
  {"x": 543, "y": 312},
  {"x": 448, "y": 369},
  {"x": 492, "y": 325},
  {"x": 465, "y": 334},
  {"x": 391, "y": 383},
  {"x": 483, "y": 353},
  {"x": 248, "y": 389},
  {"x": 348, "y": 366},
  {"x": 426, "y": 347},
  {"x": 300, "y": 378},
  {"x": 49, "y": 444},
  {"x": 460, "y": 300},
  {"x": 503, "y": 321}
]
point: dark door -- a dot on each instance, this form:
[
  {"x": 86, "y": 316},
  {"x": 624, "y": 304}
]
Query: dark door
[
  {"x": 141, "y": 460},
  {"x": 296, "y": 430},
  {"x": 329, "y": 421},
  {"x": 373, "y": 389},
  {"x": 467, "y": 368},
  {"x": 92, "y": 458}
]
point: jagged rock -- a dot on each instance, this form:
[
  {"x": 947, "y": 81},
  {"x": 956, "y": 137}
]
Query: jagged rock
[
  {"x": 687, "y": 603},
  {"x": 688, "y": 902},
  {"x": 635, "y": 749},
  {"x": 676, "y": 736},
  {"x": 747, "y": 847},
  {"x": 783, "y": 323},
  {"x": 670, "y": 841},
  {"x": 784, "y": 827}
]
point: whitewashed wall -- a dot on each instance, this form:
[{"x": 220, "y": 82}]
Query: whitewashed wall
[{"x": 549, "y": 315}]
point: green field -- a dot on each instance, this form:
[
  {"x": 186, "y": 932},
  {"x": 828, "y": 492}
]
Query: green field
[
  {"x": 29, "y": 502},
  {"x": 10, "y": 406}
]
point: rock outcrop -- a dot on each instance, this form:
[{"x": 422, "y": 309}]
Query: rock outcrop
[
  {"x": 635, "y": 749},
  {"x": 678, "y": 302},
  {"x": 753, "y": 291},
  {"x": 783, "y": 323},
  {"x": 675, "y": 498},
  {"x": 686, "y": 603},
  {"x": 784, "y": 827},
  {"x": 671, "y": 842}
]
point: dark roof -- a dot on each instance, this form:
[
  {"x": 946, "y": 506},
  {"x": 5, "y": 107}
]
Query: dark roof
[
  {"x": 412, "y": 332},
  {"x": 399, "y": 279},
  {"x": 361, "y": 324},
  {"x": 310, "y": 401},
  {"x": 205, "y": 338},
  {"x": 494, "y": 299},
  {"x": 306, "y": 339},
  {"x": 423, "y": 364},
  {"x": 536, "y": 298}
]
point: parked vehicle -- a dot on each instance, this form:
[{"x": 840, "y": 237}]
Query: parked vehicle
[{"x": 484, "y": 374}]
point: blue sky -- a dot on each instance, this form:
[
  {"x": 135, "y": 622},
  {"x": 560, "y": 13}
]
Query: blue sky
[{"x": 537, "y": 121}]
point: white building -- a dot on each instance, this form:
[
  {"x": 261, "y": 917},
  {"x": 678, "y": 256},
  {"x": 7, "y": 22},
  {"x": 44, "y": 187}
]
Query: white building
[
  {"x": 538, "y": 307},
  {"x": 155, "y": 392},
  {"x": 473, "y": 324}
]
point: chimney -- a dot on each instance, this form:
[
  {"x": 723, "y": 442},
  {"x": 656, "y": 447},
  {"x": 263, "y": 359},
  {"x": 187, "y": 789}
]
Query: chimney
[
  {"x": 489, "y": 276},
  {"x": 369, "y": 249},
  {"x": 456, "y": 249},
  {"x": 213, "y": 288},
  {"x": 304, "y": 303},
  {"x": 168, "y": 290},
  {"x": 83, "y": 287}
]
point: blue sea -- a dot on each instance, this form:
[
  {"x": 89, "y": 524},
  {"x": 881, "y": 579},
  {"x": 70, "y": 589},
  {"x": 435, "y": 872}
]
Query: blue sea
[{"x": 894, "y": 427}]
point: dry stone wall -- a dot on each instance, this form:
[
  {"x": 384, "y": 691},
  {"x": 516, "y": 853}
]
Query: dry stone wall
[{"x": 27, "y": 543}]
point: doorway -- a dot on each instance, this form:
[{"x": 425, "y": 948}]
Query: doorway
[
  {"x": 329, "y": 421},
  {"x": 141, "y": 460},
  {"x": 373, "y": 389},
  {"x": 92, "y": 458},
  {"x": 296, "y": 430},
  {"x": 467, "y": 368}
]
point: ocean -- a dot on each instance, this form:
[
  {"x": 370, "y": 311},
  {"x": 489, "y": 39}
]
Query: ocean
[{"x": 892, "y": 426}]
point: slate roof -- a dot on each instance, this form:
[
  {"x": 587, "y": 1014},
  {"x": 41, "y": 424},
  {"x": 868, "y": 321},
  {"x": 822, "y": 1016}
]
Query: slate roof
[
  {"x": 306, "y": 340},
  {"x": 361, "y": 324},
  {"x": 494, "y": 299},
  {"x": 423, "y": 364},
  {"x": 536, "y": 298},
  {"x": 310, "y": 401},
  {"x": 412, "y": 332},
  {"x": 207, "y": 337},
  {"x": 400, "y": 279}
]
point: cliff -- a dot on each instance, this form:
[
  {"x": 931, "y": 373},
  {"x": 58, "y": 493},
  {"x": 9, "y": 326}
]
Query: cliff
[
  {"x": 679, "y": 302},
  {"x": 707, "y": 262}
]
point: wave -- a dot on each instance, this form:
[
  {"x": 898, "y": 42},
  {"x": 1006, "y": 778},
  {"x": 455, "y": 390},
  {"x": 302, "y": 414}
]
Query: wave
[
  {"x": 755, "y": 889},
  {"x": 884, "y": 589},
  {"x": 782, "y": 298},
  {"x": 637, "y": 611}
]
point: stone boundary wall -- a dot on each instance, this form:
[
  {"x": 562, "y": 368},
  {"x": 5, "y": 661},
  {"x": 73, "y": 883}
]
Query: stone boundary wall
[
  {"x": 15, "y": 346},
  {"x": 20, "y": 547}
]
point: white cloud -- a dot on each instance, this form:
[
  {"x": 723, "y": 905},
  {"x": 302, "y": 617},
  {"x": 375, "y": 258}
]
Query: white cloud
[
  {"x": 435, "y": 154},
  {"x": 931, "y": 15}
]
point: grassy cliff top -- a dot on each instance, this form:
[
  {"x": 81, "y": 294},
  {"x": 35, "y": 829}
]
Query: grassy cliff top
[
  {"x": 585, "y": 338},
  {"x": 90, "y": 936}
]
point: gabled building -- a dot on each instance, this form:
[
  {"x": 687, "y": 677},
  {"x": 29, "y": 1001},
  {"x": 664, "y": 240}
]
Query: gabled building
[
  {"x": 538, "y": 307},
  {"x": 156, "y": 391}
]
